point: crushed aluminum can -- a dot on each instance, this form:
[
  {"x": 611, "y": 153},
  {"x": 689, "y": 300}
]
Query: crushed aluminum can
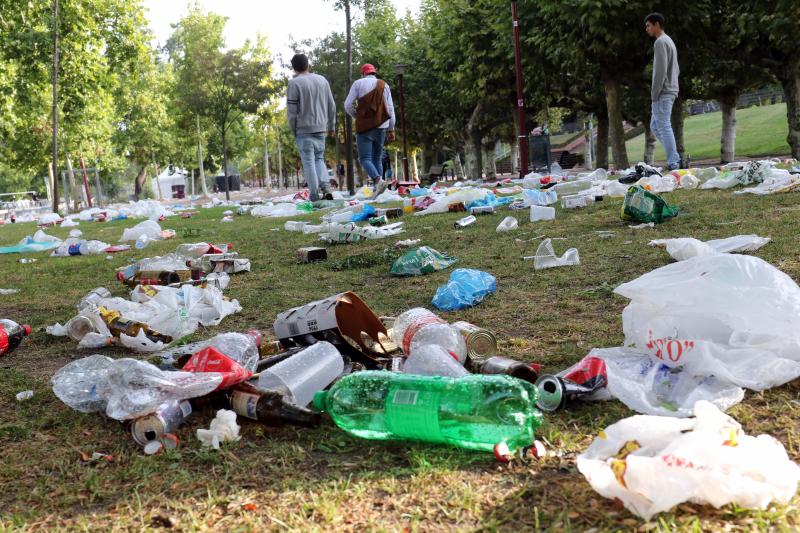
[
  {"x": 464, "y": 222},
  {"x": 482, "y": 210},
  {"x": 509, "y": 367},
  {"x": 165, "y": 419},
  {"x": 378, "y": 221},
  {"x": 394, "y": 212},
  {"x": 311, "y": 254}
]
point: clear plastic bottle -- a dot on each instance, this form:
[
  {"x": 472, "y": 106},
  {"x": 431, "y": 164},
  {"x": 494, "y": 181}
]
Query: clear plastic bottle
[
  {"x": 241, "y": 347},
  {"x": 92, "y": 247},
  {"x": 472, "y": 412},
  {"x": 302, "y": 375},
  {"x": 433, "y": 360},
  {"x": 142, "y": 241},
  {"x": 418, "y": 327}
]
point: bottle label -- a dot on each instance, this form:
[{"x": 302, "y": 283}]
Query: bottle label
[
  {"x": 414, "y": 414},
  {"x": 414, "y": 327},
  {"x": 245, "y": 404},
  {"x": 3, "y": 340}
]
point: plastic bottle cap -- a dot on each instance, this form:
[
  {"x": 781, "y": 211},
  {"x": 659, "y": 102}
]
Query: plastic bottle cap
[
  {"x": 120, "y": 276},
  {"x": 153, "y": 447},
  {"x": 319, "y": 401},
  {"x": 27, "y": 329},
  {"x": 502, "y": 453}
]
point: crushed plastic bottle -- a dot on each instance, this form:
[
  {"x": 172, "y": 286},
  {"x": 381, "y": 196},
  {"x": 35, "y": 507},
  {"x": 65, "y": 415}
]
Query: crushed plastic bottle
[
  {"x": 473, "y": 412},
  {"x": 240, "y": 347},
  {"x": 142, "y": 241},
  {"x": 546, "y": 257},
  {"x": 11, "y": 335},
  {"x": 542, "y": 213},
  {"x": 433, "y": 360},
  {"x": 420, "y": 327},
  {"x": 507, "y": 224}
]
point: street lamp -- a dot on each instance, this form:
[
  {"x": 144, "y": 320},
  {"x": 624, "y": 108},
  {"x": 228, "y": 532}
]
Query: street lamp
[{"x": 400, "y": 70}]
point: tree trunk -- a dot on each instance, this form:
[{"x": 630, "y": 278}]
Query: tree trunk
[
  {"x": 201, "y": 170},
  {"x": 601, "y": 148},
  {"x": 267, "y": 176},
  {"x": 427, "y": 158},
  {"x": 649, "y": 143},
  {"x": 616, "y": 128},
  {"x": 459, "y": 167},
  {"x": 474, "y": 147},
  {"x": 790, "y": 81},
  {"x": 77, "y": 192},
  {"x": 138, "y": 184},
  {"x": 728, "y": 141},
  {"x": 677, "y": 127},
  {"x": 225, "y": 164}
]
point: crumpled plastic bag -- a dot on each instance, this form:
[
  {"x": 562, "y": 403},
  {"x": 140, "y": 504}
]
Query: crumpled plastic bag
[
  {"x": 537, "y": 197},
  {"x": 466, "y": 288},
  {"x": 725, "y": 180},
  {"x": 735, "y": 317},
  {"x": 648, "y": 386},
  {"x": 367, "y": 212},
  {"x": 653, "y": 463},
  {"x": 686, "y": 247},
  {"x": 779, "y": 180},
  {"x": 126, "y": 388},
  {"x": 222, "y": 429},
  {"x": 755, "y": 172},
  {"x": 279, "y": 210},
  {"x": 443, "y": 203},
  {"x": 150, "y": 228},
  {"x": 386, "y": 197},
  {"x": 641, "y": 205},
  {"x": 422, "y": 260},
  {"x": 545, "y": 256}
]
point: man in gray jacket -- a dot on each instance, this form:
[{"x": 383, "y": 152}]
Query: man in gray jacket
[
  {"x": 664, "y": 90},
  {"x": 312, "y": 111}
]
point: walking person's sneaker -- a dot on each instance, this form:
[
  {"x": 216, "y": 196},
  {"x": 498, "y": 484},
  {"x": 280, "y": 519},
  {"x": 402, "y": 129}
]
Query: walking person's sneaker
[
  {"x": 380, "y": 187},
  {"x": 326, "y": 194}
]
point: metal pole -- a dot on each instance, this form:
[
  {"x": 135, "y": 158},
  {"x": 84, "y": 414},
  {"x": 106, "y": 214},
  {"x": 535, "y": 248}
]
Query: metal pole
[
  {"x": 403, "y": 126},
  {"x": 55, "y": 107},
  {"x": 348, "y": 120},
  {"x": 522, "y": 137},
  {"x": 100, "y": 201},
  {"x": 86, "y": 183}
]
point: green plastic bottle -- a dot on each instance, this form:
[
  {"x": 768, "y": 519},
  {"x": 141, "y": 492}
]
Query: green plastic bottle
[{"x": 474, "y": 412}]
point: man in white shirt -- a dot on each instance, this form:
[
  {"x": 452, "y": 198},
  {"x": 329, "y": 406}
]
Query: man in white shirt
[{"x": 370, "y": 103}]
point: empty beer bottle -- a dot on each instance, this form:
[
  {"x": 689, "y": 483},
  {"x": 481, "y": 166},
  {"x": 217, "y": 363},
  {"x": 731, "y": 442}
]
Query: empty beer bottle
[
  {"x": 472, "y": 412},
  {"x": 119, "y": 325},
  {"x": 271, "y": 408},
  {"x": 11, "y": 335},
  {"x": 151, "y": 277}
]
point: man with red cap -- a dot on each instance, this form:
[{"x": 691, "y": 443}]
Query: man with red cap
[{"x": 370, "y": 103}]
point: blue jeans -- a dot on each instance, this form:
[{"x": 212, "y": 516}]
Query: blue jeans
[
  {"x": 661, "y": 125},
  {"x": 311, "y": 147},
  {"x": 370, "y": 152}
]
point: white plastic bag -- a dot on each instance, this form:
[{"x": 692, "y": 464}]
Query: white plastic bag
[
  {"x": 648, "y": 386},
  {"x": 687, "y": 247},
  {"x": 735, "y": 317},
  {"x": 726, "y": 180},
  {"x": 149, "y": 228},
  {"x": 653, "y": 463},
  {"x": 546, "y": 257}
]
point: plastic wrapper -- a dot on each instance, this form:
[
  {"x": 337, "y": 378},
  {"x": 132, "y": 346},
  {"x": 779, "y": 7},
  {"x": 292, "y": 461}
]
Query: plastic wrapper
[
  {"x": 466, "y": 288},
  {"x": 641, "y": 205},
  {"x": 126, "y": 388},
  {"x": 687, "y": 247},
  {"x": 423, "y": 260},
  {"x": 536, "y": 197},
  {"x": 282, "y": 210},
  {"x": 653, "y": 463},
  {"x": 546, "y": 257},
  {"x": 755, "y": 172},
  {"x": 367, "y": 211}
]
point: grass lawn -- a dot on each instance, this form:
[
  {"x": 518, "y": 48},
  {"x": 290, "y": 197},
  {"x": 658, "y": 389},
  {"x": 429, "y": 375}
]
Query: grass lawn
[
  {"x": 759, "y": 131},
  {"x": 324, "y": 480}
]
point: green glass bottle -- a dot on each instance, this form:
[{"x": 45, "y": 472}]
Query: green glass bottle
[{"x": 473, "y": 412}]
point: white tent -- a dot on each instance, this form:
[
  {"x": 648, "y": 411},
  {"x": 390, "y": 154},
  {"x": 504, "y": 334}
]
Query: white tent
[{"x": 171, "y": 182}]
